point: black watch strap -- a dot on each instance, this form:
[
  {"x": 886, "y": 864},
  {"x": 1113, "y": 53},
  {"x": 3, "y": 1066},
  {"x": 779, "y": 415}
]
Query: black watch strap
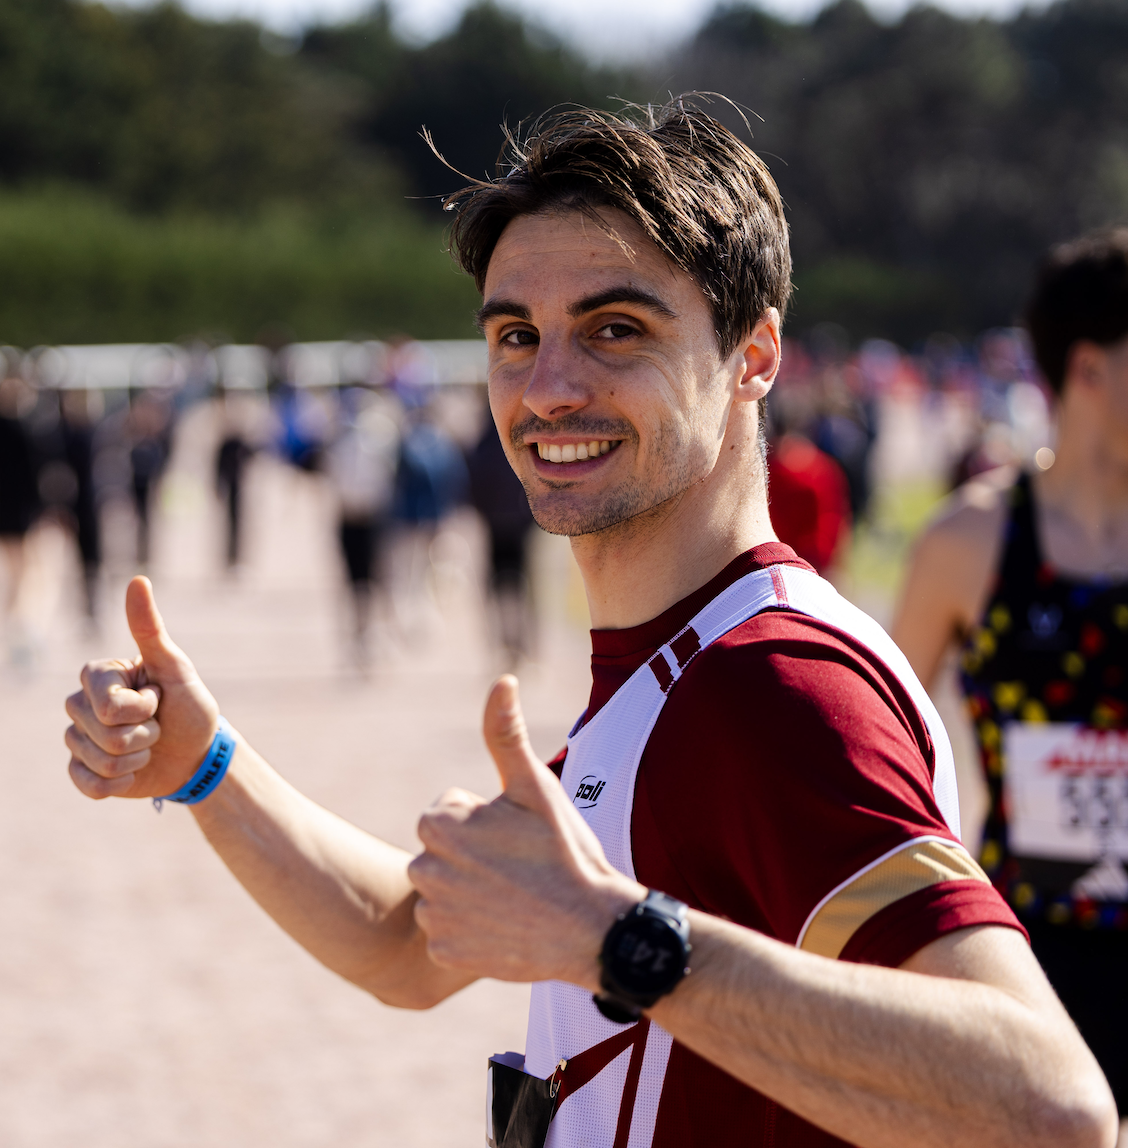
[
  {"x": 643, "y": 958},
  {"x": 667, "y": 906}
]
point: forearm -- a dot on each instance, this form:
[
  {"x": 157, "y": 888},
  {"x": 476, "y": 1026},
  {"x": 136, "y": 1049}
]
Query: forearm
[
  {"x": 884, "y": 1057},
  {"x": 338, "y": 891}
]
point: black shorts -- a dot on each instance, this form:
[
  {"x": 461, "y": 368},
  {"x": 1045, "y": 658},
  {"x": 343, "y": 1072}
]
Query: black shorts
[
  {"x": 358, "y": 544},
  {"x": 1089, "y": 971},
  {"x": 508, "y": 555}
]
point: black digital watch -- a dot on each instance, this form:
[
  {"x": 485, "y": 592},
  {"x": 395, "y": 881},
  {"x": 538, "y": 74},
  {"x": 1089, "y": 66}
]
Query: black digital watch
[{"x": 644, "y": 956}]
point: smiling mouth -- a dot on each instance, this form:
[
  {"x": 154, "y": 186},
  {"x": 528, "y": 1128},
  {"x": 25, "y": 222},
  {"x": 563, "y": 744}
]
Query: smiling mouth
[{"x": 575, "y": 451}]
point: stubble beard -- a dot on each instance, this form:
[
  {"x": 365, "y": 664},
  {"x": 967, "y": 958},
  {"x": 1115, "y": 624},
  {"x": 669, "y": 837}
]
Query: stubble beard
[{"x": 625, "y": 506}]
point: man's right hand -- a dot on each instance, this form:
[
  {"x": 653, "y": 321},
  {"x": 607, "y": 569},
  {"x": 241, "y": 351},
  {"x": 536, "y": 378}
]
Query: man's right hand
[{"x": 142, "y": 726}]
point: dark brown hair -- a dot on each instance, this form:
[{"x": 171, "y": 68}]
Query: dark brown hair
[
  {"x": 703, "y": 197},
  {"x": 1081, "y": 293}
]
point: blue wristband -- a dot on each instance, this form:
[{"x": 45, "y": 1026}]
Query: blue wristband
[{"x": 210, "y": 773}]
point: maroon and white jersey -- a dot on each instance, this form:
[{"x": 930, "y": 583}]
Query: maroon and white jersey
[{"x": 763, "y": 752}]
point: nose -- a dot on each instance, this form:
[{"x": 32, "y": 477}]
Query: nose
[{"x": 557, "y": 385}]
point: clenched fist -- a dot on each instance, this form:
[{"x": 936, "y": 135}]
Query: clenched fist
[{"x": 141, "y": 726}]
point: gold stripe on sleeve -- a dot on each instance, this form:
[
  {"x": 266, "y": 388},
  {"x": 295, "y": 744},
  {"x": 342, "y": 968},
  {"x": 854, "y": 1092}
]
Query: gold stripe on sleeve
[{"x": 916, "y": 865}]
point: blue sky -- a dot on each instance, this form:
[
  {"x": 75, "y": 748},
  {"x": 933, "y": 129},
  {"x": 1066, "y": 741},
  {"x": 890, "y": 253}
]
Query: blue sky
[{"x": 623, "y": 29}]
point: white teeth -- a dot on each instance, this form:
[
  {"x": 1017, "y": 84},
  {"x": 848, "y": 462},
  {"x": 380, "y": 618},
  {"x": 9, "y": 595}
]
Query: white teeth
[{"x": 574, "y": 452}]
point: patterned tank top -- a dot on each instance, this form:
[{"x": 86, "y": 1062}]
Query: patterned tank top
[{"x": 1044, "y": 676}]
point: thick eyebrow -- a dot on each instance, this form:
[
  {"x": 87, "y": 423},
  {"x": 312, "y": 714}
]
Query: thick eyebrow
[
  {"x": 510, "y": 308},
  {"x": 497, "y": 307},
  {"x": 623, "y": 294}
]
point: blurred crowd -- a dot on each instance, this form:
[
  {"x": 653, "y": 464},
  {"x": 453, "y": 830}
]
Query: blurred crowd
[
  {"x": 398, "y": 451},
  {"x": 401, "y": 451},
  {"x": 980, "y": 405}
]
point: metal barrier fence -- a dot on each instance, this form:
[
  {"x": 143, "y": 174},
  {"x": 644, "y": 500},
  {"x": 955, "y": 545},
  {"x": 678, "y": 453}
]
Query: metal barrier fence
[{"x": 133, "y": 366}]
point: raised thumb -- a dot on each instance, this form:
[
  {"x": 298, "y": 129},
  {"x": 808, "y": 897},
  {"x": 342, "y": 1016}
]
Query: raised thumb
[
  {"x": 523, "y": 777},
  {"x": 163, "y": 659}
]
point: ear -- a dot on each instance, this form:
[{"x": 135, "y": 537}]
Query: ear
[
  {"x": 759, "y": 355},
  {"x": 1085, "y": 364}
]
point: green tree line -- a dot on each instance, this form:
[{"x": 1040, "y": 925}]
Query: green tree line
[
  {"x": 928, "y": 163},
  {"x": 162, "y": 175}
]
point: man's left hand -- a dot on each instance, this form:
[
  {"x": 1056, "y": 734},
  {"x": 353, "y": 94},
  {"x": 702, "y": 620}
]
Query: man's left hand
[{"x": 517, "y": 888}]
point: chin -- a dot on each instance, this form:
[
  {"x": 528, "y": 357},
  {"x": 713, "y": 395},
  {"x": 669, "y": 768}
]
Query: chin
[
  {"x": 569, "y": 523},
  {"x": 556, "y": 515}
]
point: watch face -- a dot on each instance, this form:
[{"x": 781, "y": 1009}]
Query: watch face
[{"x": 647, "y": 956}]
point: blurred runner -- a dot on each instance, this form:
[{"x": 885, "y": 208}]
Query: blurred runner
[
  {"x": 302, "y": 425},
  {"x": 19, "y": 501},
  {"x": 430, "y": 481},
  {"x": 809, "y": 499},
  {"x": 1029, "y": 573},
  {"x": 846, "y": 431},
  {"x": 231, "y": 459},
  {"x": 150, "y": 432},
  {"x": 409, "y": 371},
  {"x": 361, "y": 465},
  {"x": 499, "y": 497},
  {"x": 301, "y": 417},
  {"x": 81, "y": 412}
]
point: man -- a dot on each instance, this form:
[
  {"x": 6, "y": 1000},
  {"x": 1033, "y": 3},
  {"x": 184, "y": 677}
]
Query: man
[
  {"x": 1030, "y": 575},
  {"x": 633, "y": 277}
]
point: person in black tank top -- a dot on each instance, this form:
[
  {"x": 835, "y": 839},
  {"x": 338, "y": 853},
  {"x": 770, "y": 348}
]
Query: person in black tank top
[
  {"x": 1030, "y": 577},
  {"x": 1049, "y": 649},
  {"x": 1052, "y": 649}
]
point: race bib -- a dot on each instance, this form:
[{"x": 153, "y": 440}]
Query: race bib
[{"x": 1067, "y": 791}]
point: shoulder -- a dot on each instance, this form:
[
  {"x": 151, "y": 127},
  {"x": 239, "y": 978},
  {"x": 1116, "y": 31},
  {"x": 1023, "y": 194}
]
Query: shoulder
[
  {"x": 952, "y": 568},
  {"x": 783, "y": 687},
  {"x": 795, "y": 660},
  {"x": 973, "y": 515},
  {"x": 786, "y": 759}
]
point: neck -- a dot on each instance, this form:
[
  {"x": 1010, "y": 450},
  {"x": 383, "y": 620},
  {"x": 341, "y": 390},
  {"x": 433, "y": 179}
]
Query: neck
[{"x": 634, "y": 571}]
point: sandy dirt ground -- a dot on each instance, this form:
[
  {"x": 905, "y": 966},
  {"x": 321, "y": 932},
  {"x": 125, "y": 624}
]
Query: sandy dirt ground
[{"x": 145, "y": 1000}]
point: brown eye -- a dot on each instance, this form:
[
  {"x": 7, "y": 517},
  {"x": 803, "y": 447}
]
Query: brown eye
[{"x": 521, "y": 338}]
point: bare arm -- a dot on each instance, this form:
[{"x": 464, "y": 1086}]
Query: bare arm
[
  {"x": 141, "y": 729},
  {"x": 341, "y": 893},
  {"x": 966, "y": 1045},
  {"x": 949, "y": 574}
]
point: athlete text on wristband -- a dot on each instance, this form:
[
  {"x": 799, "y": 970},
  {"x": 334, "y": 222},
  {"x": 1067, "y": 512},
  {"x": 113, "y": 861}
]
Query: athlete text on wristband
[
  {"x": 210, "y": 773},
  {"x": 644, "y": 957}
]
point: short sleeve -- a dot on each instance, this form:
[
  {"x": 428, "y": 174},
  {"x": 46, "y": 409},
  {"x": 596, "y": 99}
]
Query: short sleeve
[{"x": 787, "y": 787}]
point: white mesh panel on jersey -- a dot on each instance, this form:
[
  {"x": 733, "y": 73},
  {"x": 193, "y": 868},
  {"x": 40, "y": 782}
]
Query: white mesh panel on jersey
[{"x": 590, "y": 1115}]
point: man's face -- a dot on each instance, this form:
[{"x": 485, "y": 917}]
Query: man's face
[{"x": 606, "y": 380}]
